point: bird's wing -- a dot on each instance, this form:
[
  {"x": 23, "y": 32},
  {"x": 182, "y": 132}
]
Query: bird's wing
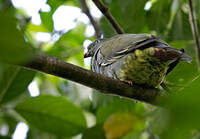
[{"x": 120, "y": 45}]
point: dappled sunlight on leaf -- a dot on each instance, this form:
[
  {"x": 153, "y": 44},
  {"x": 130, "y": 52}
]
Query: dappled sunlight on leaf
[{"x": 119, "y": 124}]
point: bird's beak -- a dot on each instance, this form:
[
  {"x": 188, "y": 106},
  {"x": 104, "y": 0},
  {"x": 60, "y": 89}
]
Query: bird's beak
[{"x": 87, "y": 54}]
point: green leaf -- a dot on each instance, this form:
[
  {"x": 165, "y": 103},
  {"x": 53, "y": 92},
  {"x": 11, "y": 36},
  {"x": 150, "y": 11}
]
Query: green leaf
[
  {"x": 181, "y": 29},
  {"x": 36, "y": 28},
  {"x": 158, "y": 121},
  {"x": 11, "y": 122},
  {"x": 184, "y": 110},
  {"x": 53, "y": 114},
  {"x": 187, "y": 103},
  {"x": 107, "y": 29},
  {"x": 118, "y": 105},
  {"x": 70, "y": 45},
  {"x": 47, "y": 20},
  {"x": 46, "y": 17},
  {"x": 5, "y": 137},
  {"x": 34, "y": 133},
  {"x": 158, "y": 15},
  {"x": 178, "y": 76},
  {"x": 94, "y": 132},
  {"x": 13, "y": 47},
  {"x": 54, "y": 4},
  {"x": 119, "y": 124},
  {"x": 130, "y": 14},
  {"x": 13, "y": 81}
]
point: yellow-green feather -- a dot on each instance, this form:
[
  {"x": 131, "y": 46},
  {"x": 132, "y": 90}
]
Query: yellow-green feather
[{"x": 143, "y": 68}]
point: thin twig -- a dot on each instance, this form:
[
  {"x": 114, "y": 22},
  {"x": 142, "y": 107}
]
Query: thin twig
[
  {"x": 108, "y": 16},
  {"x": 94, "y": 22},
  {"x": 104, "y": 84},
  {"x": 194, "y": 31}
]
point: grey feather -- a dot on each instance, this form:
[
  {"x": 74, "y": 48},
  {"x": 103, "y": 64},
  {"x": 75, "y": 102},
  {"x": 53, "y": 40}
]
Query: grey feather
[{"x": 109, "y": 54}]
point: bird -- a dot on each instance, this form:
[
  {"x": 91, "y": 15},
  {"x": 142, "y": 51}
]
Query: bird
[{"x": 141, "y": 59}]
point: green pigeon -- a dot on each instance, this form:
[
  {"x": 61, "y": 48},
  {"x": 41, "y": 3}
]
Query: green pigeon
[{"x": 141, "y": 59}]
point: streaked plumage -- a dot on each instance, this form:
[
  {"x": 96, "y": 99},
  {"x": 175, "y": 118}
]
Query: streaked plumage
[{"x": 140, "y": 58}]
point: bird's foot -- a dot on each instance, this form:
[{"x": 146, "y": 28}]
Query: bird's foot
[{"x": 128, "y": 82}]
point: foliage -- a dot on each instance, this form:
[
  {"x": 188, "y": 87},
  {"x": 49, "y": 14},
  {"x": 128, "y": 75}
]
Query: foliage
[{"x": 63, "y": 109}]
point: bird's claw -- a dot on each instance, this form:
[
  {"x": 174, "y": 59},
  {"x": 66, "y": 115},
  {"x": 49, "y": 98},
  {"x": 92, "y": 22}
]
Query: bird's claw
[{"x": 128, "y": 82}]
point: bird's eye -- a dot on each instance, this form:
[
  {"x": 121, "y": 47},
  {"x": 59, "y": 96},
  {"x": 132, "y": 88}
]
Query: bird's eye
[
  {"x": 97, "y": 41},
  {"x": 93, "y": 44}
]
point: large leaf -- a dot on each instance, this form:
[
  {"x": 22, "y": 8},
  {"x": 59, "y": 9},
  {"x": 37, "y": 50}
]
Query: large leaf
[
  {"x": 34, "y": 133},
  {"x": 53, "y": 114},
  {"x": 130, "y": 14},
  {"x": 94, "y": 132},
  {"x": 13, "y": 81},
  {"x": 158, "y": 15},
  {"x": 181, "y": 29},
  {"x": 13, "y": 47},
  {"x": 117, "y": 105},
  {"x": 107, "y": 29},
  {"x": 184, "y": 110},
  {"x": 184, "y": 72},
  {"x": 119, "y": 124},
  {"x": 5, "y": 137}
]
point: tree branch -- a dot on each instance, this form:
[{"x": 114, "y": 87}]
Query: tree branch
[
  {"x": 54, "y": 66},
  {"x": 108, "y": 16},
  {"x": 95, "y": 24},
  {"x": 194, "y": 31}
]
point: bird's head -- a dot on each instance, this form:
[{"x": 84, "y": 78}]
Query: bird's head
[{"x": 92, "y": 48}]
